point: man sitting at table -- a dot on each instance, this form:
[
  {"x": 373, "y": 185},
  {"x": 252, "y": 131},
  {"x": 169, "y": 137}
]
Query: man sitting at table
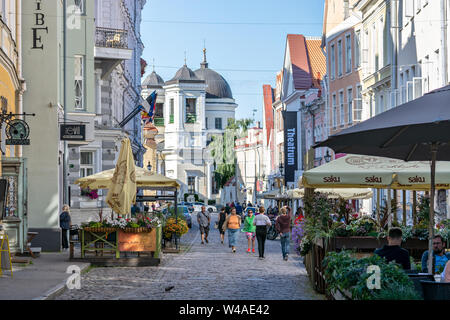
[
  {"x": 392, "y": 251},
  {"x": 439, "y": 255}
]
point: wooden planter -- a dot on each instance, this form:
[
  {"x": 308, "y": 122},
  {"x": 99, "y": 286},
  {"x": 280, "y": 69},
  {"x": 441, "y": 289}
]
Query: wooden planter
[
  {"x": 101, "y": 229},
  {"x": 368, "y": 245},
  {"x": 138, "y": 230}
]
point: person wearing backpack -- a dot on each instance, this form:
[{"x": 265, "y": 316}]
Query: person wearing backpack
[
  {"x": 250, "y": 230},
  {"x": 204, "y": 220},
  {"x": 233, "y": 225}
]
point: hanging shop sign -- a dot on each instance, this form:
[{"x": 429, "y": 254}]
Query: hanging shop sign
[
  {"x": 17, "y": 132},
  {"x": 73, "y": 132},
  {"x": 290, "y": 145}
]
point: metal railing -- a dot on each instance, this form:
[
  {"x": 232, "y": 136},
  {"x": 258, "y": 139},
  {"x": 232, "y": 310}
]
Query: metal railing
[
  {"x": 111, "y": 38},
  {"x": 191, "y": 118}
]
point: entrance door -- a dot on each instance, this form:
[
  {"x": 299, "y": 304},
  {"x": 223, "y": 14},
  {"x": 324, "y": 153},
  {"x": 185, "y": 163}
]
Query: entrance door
[{"x": 15, "y": 221}]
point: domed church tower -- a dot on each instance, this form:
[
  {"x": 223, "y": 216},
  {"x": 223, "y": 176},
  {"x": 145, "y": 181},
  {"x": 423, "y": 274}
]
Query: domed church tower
[{"x": 197, "y": 105}]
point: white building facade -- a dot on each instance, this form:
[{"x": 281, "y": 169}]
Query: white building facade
[{"x": 197, "y": 106}]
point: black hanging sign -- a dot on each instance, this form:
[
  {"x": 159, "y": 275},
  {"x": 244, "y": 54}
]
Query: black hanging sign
[
  {"x": 73, "y": 132},
  {"x": 290, "y": 145}
]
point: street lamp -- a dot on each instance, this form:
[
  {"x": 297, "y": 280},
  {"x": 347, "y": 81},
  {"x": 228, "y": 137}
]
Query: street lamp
[
  {"x": 149, "y": 166},
  {"x": 281, "y": 168},
  {"x": 327, "y": 157}
]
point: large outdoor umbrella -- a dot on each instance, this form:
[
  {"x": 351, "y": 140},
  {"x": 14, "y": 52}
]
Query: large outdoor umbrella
[
  {"x": 415, "y": 131},
  {"x": 122, "y": 190},
  {"x": 144, "y": 178}
]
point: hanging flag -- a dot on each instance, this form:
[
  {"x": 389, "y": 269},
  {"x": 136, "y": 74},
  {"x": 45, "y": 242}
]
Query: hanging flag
[{"x": 152, "y": 102}]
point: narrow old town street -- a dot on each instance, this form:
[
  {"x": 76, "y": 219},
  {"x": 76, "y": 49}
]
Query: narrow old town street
[{"x": 203, "y": 272}]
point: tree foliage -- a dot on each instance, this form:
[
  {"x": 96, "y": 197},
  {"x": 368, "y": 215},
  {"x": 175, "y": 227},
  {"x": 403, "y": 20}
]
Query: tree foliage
[{"x": 222, "y": 149}]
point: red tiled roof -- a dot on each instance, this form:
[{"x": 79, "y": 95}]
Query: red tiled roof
[
  {"x": 301, "y": 71},
  {"x": 317, "y": 61},
  {"x": 308, "y": 61},
  {"x": 269, "y": 98}
]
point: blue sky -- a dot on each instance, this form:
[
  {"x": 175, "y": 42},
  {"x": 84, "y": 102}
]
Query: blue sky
[{"x": 245, "y": 40}]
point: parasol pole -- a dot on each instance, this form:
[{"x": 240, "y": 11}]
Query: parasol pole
[
  {"x": 389, "y": 208},
  {"x": 378, "y": 207},
  {"x": 431, "y": 216}
]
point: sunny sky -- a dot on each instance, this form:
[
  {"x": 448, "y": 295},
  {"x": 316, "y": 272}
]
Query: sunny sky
[{"x": 245, "y": 40}]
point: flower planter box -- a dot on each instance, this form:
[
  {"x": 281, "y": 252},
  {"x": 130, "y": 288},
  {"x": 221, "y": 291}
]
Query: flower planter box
[
  {"x": 101, "y": 229},
  {"x": 137, "y": 230},
  {"x": 366, "y": 244}
]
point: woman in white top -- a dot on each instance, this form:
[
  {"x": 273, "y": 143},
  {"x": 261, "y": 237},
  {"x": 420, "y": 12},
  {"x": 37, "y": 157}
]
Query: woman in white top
[{"x": 261, "y": 222}]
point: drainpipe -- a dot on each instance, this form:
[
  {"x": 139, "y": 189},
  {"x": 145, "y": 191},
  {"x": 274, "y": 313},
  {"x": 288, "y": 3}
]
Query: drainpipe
[
  {"x": 443, "y": 49},
  {"x": 395, "y": 35},
  {"x": 65, "y": 195}
]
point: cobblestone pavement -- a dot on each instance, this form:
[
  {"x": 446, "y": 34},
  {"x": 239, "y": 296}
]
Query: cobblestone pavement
[{"x": 203, "y": 272}]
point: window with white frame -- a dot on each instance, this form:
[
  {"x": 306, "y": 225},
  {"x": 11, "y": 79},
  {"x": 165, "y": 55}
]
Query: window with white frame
[
  {"x": 374, "y": 49},
  {"x": 342, "y": 109},
  {"x": 218, "y": 123},
  {"x": 348, "y": 54},
  {"x": 334, "y": 111},
  {"x": 81, "y": 5},
  {"x": 381, "y": 30},
  {"x": 333, "y": 62},
  {"x": 357, "y": 110},
  {"x": 339, "y": 58},
  {"x": 358, "y": 48},
  {"x": 350, "y": 105},
  {"x": 86, "y": 164},
  {"x": 191, "y": 185},
  {"x": 79, "y": 82}
]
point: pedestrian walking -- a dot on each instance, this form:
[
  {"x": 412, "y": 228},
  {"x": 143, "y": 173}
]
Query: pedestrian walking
[
  {"x": 204, "y": 220},
  {"x": 283, "y": 226},
  {"x": 250, "y": 230},
  {"x": 261, "y": 222},
  {"x": 65, "y": 224},
  {"x": 233, "y": 225},
  {"x": 222, "y": 217}
]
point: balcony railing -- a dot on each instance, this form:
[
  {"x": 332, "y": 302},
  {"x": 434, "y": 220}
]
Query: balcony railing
[
  {"x": 111, "y": 38},
  {"x": 159, "y": 122},
  {"x": 191, "y": 118}
]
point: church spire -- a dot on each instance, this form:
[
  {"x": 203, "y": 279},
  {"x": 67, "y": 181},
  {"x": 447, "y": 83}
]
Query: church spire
[{"x": 204, "y": 64}]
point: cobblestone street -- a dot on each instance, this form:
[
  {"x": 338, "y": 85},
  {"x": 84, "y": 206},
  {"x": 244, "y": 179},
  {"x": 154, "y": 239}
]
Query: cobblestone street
[{"x": 203, "y": 272}]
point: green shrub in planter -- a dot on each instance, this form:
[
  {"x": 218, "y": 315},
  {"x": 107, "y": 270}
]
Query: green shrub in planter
[{"x": 344, "y": 272}]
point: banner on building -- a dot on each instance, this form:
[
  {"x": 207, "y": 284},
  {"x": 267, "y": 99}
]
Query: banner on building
[{"x": 290, "y": 145}]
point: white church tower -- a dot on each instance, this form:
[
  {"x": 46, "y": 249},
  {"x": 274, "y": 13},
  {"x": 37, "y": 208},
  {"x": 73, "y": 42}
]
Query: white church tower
[{"x": 197, "y": 105}]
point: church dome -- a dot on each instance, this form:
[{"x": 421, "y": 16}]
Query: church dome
[
  {"x": 153, "y": 80},
  {"x": 184, "y": 74},
  {"x": 218, "y": 87}
]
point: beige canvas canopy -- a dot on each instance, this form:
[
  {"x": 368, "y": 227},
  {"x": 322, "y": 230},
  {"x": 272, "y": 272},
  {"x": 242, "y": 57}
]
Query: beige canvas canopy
[
  {"x": 144, "y": 178},
  {"x": 359, "y": 171},
  {"x": 345, "y": 193}
]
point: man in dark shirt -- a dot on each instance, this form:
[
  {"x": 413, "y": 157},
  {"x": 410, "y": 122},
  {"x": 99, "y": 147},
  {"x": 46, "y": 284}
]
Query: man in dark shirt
[{"x": 392, "y": 251}]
